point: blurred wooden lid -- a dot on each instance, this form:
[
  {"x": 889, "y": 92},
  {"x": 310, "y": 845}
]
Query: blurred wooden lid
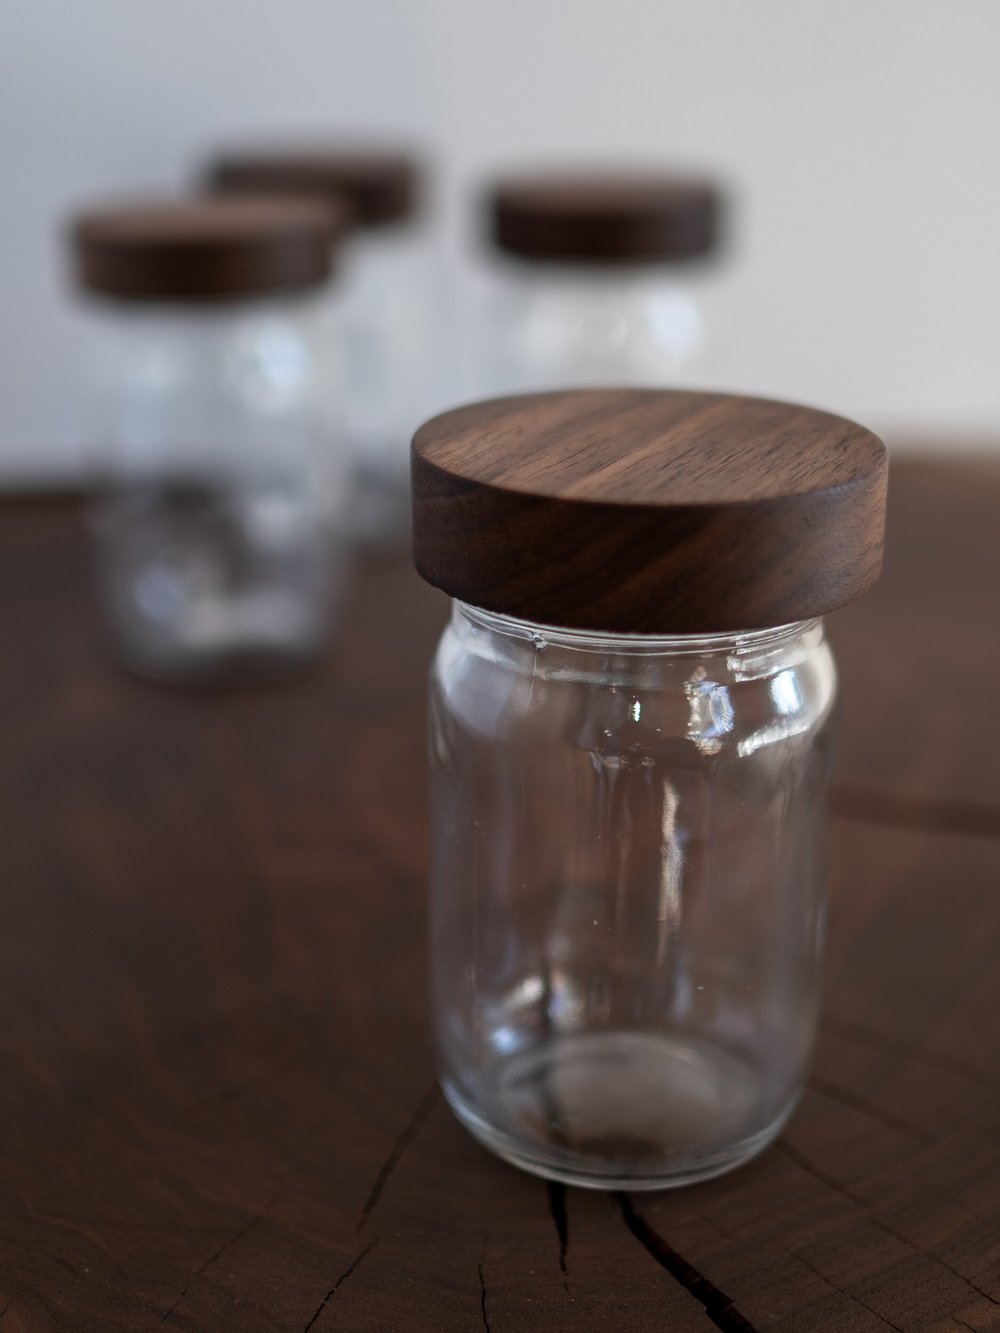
[
  {"x": 206, "y": 248},
  {"x": 378, "y": 185},
  {"x": 648, "y": 511},
  {"x": 604, "y": 217}
]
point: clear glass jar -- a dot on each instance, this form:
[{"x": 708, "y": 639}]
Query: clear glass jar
[
  {"x": 390, "y": 340},
  {"x": 627, "y": 895},
  {"x": 213, "y": 453},
  {"x": 382, "y": 315},
  {"x": 632, "y": 722},
  {"x": 593, "y": 325},
  {"x": 604, "y": 279}
]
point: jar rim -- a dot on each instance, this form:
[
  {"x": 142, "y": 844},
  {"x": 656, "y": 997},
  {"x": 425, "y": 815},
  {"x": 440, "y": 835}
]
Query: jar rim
[{"x": 610, "y": 641}]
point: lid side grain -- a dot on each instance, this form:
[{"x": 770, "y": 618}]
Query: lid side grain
[
  {"x": 605, "y": 217},
  {"x": 203, "y": 248},
  {"x": 378, "y": 185}
]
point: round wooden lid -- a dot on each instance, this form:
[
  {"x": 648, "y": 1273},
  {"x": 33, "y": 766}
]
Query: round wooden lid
[
  {"x": 207, "y": 248},
  {"x": 605, "y": 217},
  {"x": 646, "y": 511},
  {"x": 379, "y": 185}
]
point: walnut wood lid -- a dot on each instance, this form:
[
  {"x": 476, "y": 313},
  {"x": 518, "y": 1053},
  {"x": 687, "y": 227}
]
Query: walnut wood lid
[
  {"x": 602, "y": 218},
  {"x": 378, "y": 185},
  {"x": 647, "y": 511},
  {"x": 207, "y": 248}
]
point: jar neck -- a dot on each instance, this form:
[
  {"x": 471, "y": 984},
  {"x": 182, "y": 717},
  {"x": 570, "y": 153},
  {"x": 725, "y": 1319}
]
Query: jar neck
[
  {"x": 603, "y": 644},
  {"x": 139, "y": 315},
  {"x": 607, "y": 276}
]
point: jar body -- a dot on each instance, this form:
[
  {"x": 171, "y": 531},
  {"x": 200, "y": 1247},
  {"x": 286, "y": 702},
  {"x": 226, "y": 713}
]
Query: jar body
[
  {"x": 627, "y": 895},
  {"x": 551, "y": 325},
  {"x": 218, "y": 480},
  {"x": 389, "y": 372}
]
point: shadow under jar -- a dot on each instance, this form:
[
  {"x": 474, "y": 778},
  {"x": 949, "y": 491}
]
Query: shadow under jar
[
  {"x": 216, "y": 560},
  {"x": 632, "y": 720}
]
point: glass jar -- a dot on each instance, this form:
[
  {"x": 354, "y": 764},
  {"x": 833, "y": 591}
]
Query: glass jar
[
  {"x": 604, "y": 281},
  {"x": 628, "y": 827},
  {"x": 214, "y": 554},
  {"x": 383, "y": 307},
  {"x": 627, "y": 895}
]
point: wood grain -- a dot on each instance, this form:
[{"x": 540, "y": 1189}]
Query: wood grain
[
  {"x": 920, "y": 651},
  {"x": 217, "y": 1105},
  {"x": 648, "y": 511}
]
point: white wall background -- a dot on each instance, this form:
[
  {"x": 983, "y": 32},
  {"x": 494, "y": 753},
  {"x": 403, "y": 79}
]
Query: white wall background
[{"x": 861, "y": 138}]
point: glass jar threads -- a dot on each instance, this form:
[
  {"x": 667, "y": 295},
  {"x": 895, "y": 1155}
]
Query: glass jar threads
[
  {"x": 215, "y": 555},
  {"x": 632, "y": 719},
  {"x": 603, "y": 280},
  {"x": 383, "y": 301}
]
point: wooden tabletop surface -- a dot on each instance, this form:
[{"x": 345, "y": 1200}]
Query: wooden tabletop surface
[{"x": 217, "y": 1098}]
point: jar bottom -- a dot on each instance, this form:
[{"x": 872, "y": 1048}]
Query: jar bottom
[
  {"x": 205, "y": 584},
  {"x": 623, "y": 1110},
  {"x": 223, "y": 640}
]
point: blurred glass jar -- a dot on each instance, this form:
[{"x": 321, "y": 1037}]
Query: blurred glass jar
[
  {"x": 604, "y": 281},
  {"x": 215, "y": 557},
  {"x": 631, "y": 739},
  {"x": 383, "y": 306}
]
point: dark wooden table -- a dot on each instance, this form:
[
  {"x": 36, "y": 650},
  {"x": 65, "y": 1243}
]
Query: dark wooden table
[{"x": 217, "y": 1097}]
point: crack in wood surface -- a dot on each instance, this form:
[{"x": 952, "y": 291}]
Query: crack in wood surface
[
  {"x": 876, "y": 1041},
  {"x": 557, "y": 1207},
  {"x": 406, "y": 1136},
  {"x": 846, "y": 1192},
  {"x": 228, "y": 1245},
  {"x": 962, "y": 819},
  {"x": 807, "y": 1263},
  {"x": 881, "y": 1317},
  {"x": 716, "y": 1304},
  {"x": 848, "y": 1295},
  {"x": 340, "y": 1281},
  {"x": 482, "y": 1294},
  {"x": 849, "y": 1099}
]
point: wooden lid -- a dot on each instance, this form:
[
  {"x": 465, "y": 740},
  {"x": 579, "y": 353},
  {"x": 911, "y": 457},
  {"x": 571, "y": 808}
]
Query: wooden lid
[
  {"x": 605, "y": 217},
  {"x": 378, "y": 185},
  {"x": 646, "y": 511},
  {"x": 209, "y": 248}
]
